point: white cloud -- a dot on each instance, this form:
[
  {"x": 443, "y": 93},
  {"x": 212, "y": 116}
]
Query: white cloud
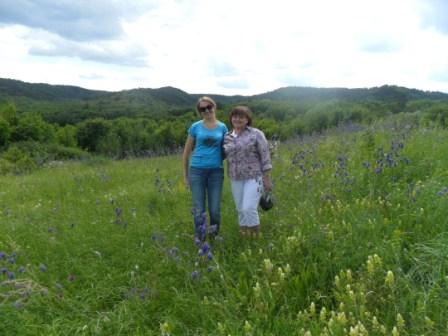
[{"x": 234, "y": 46}]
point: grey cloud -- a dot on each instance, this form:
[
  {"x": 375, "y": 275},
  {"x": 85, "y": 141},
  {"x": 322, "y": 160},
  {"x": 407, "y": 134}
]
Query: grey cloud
[
  {"x": 80, "y": 20},
  {"x": 127, "y": 55}
]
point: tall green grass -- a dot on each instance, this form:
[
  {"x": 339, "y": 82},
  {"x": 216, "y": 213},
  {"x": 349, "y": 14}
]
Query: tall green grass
[{"x": 355, "y": 245}]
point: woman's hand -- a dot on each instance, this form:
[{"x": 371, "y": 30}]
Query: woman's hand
[
  {"x": 267, "y": 183},
  {"x": 186, "y": 182}
]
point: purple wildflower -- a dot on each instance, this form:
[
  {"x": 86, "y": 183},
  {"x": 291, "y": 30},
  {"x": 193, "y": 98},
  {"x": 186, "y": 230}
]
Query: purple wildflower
[
  {"x": 200, "y": 252},
  {"x": 11, "y": 275},
  {"x": 3, "y": 270},
  {"x": 42, "y": 268},
  {"x": 2, "y": 255},
  {"x": 197, "y": 241},
  {"x": 209, "y": 255},
  {"x": 21, "y": 269},
  {"x": 205, "y": 247},
  {"x": 11, "y": 260},
  {"x": 443, "y": 192},
  {"x": 194, "y": 275},
  {"x": 118, "y": 211},
  {"x": 210, "y": 269}
]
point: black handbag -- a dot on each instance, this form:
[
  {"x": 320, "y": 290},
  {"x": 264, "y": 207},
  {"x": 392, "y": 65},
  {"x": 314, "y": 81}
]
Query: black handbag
[{"x": 266, "y": 202}]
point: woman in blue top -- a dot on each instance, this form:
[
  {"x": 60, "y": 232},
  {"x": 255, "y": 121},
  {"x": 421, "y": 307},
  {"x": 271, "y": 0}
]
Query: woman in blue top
[{"x": 204, "y": 173}]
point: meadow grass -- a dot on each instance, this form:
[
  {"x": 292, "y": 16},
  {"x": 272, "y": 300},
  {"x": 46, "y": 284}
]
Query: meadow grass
[{"x": 356, "y": 244}]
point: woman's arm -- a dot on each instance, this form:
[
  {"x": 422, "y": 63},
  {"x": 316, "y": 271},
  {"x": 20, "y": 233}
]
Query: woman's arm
[
  {"x": 265, "y": 160},
  {"x": 189, "y": 145}
]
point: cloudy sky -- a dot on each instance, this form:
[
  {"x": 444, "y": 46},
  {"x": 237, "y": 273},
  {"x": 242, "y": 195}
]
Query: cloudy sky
[{"x": 226, "y": 46}]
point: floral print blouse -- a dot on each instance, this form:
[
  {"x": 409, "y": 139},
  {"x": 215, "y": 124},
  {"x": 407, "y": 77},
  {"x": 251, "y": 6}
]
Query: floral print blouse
[{"x": 247, "y": 154}]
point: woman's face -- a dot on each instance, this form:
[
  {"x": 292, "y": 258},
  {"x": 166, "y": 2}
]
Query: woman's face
[
  {"x": 239, "y": 121},
  {"x": 206, "y": 109}
]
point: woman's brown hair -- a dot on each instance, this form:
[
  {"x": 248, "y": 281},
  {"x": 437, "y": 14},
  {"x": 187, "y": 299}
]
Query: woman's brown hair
[{"x": 241, "y": 110}]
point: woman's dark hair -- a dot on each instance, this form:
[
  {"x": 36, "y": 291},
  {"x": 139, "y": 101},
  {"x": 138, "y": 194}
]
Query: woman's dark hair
[
  {"x": 241, "y": 110},
  {"x": 207, "y": 99}
]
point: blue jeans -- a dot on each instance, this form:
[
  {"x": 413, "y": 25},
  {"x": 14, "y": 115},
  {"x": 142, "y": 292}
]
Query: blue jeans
[{"x": 206, "y": 183}]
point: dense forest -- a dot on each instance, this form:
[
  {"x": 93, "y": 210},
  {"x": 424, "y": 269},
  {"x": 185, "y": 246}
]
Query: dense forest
[{"x": 41, "y": 123}]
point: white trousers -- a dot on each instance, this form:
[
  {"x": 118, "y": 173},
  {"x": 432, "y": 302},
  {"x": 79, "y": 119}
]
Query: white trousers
[{"x": 246, "y": 194}]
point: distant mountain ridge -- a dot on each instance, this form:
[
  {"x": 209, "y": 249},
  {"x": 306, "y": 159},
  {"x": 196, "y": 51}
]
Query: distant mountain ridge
[
  {"x": 42, "y": 91},
  {"x": 174, "y": 96},
  {"x": 383, "y": 93},
  {"x": 64, "y": 103}
]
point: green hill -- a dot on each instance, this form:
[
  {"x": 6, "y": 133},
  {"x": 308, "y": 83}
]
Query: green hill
[{"x": 70, "y": 104}]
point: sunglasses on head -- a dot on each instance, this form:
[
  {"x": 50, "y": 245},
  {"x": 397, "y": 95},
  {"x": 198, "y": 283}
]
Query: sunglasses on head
[{"x": 208, "y": 108}]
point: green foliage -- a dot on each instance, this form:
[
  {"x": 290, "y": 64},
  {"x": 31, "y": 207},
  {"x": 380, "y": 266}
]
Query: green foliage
[
  {"x": 66, "y": 136},
  {"x": 144, "y": 122},
  {"x": 5, "y": 132},
  {"x": 91, "y": 133},
  {"x": 8, "y": 112},
  {"x": 438, "y": 113},
  {"x": 32, "y": 127},
  {"x": 17, "y": 161}
]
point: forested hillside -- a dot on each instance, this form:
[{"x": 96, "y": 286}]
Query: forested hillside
[{"x": 40, "y": 122}]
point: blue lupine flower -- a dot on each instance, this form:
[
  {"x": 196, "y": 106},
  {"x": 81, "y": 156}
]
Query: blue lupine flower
[
  {"x": 210, "y": 269},
  {"x": 21, "y": 269},
  {"x": 194, "y": 275},
  {"x": 205, "y": 247},
  {"x": 200, "y": 252},
  {"x": 210, "y": 255},
  {"x": 11, "y": 275},
  {"x": 197, "y": 241},
  {"x": 366, "y": 164},
  {"x": 11, "y": 260},
  {"x": 442, "y": 192},
  {"x": 3, "y": 270},
  {"x": 42, "y": 268},
  {"x": 2, "y": 255},
  {"x": 118, "y": 212}
]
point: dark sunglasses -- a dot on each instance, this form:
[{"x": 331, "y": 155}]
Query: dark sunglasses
[{"x": 207, "y": 108}]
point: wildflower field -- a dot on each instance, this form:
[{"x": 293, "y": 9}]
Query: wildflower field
[{"x": 357, "y": 244}]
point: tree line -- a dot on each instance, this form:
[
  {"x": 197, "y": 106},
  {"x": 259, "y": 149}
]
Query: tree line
[{"x": 28, "y": 140}]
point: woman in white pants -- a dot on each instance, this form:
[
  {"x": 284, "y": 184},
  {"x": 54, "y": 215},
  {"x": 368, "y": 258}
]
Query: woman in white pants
[{"x": 249, "y": 167}]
